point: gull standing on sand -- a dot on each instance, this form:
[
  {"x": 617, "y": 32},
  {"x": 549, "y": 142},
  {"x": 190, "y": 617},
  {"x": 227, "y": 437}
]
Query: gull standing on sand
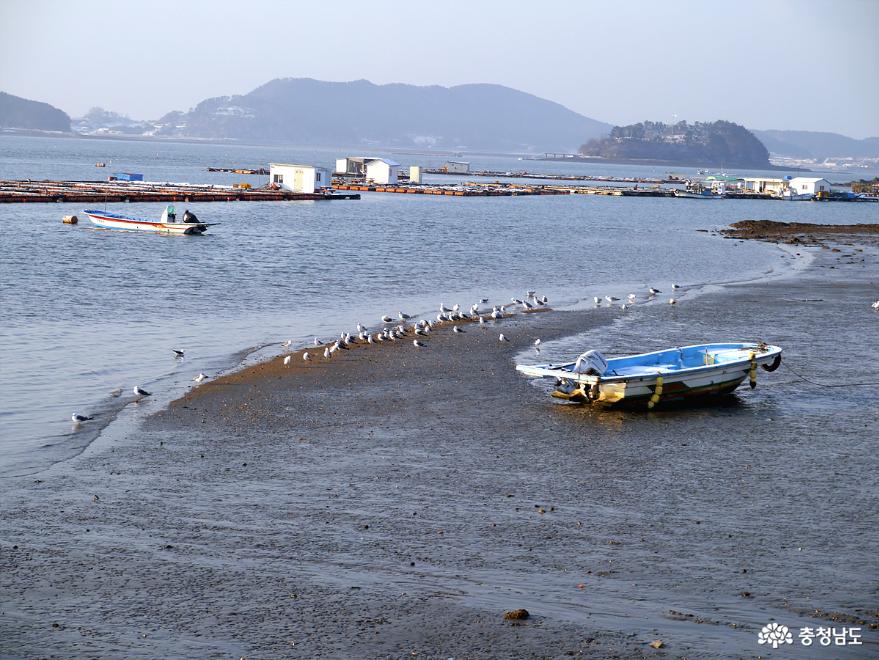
[
  {"x": 482, "y": 322},
  {"x": 327, "y": 353},
  {"x": 201, "y": 376},
  {"x": 418, "y": 344},
  {"x": 387, "y": 319},
  {"x": 502, "y": 337},
  {"x": 458, "y": 330},
  {"x": 306, "y": 356},
  {"x": 403, "y": 317},
  {"x": 79, "y": 419},
  {"x": 286, "y": 360},
  {"x": 317, "y": 342},
  {"x": 140, "y": 392}
]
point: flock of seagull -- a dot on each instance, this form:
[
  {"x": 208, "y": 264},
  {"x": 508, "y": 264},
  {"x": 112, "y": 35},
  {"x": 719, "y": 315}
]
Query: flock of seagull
[
  {"x": 631, "y": 298},
  {"x": 403, "y": 327}
]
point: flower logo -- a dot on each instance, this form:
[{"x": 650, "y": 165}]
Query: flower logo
[{"x": 775, "y": 634}]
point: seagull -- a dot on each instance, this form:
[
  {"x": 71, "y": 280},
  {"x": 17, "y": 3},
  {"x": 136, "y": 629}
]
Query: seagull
[
  {"x": 287, "y": 343},
  {"x": 527, "y": 305},
  {"x": 306, "y": 356},
  {"x": 286, "y": 360},
  {"x": 497, "y": 314},
  {"x": 403, "y": 317},
  {"x": 387, "y": 319},
  {"x": 624, "y": 306},
  {"x": 360, "y": 328},
  {"x": 544, "y": 300},
  {"x": 482, "y": 301},
  {"x": 537, "y": 342},
  {"x": 675, "y": 286},
  {"x": 631, "y": 297},
  {"x": 875, "y": 305},
  {"x": 418, "y": 344},
  {"x": 457, "y": 329},
  {"x": 201, "y": 376},
  {"x": 317, "y": 342},
  {"x": 516, "y": 300},
  {"x": 369, "y": 339},
  {"x": 116, "y": 393},
  {"x": 654, "y": 291},
  {"x": 482, "y": 322},
  {"x": 139, "y": 391},
  {"x": 672, "y": 301},
  {"x": 327, "y": 353},
  {"x": 502, "y": 337},
  {"x": 177, "y": 352},
  {"x": 597, "y": 300},
  {"x": 611, "y": 299},
  {"x": 79, "y": 419}
]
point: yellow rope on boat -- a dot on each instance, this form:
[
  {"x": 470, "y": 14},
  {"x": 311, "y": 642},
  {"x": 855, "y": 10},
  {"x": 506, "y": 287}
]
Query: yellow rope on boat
[
  {"x": 657, "y": 392},
  {"x": 752, "y": 373}
]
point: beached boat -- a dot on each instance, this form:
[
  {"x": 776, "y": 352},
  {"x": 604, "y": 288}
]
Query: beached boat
[
  {"x": 167, "y": 225},
  {"x": 647, "y": 379}
]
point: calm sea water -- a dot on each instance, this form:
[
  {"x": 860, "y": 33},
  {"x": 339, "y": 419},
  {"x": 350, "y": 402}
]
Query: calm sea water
[{"x": 86, "y": 311}]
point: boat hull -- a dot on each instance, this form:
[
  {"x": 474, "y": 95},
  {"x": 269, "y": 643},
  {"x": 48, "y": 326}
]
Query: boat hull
[
  {"x": 663, "y": 384},
  {"x": 114, "y": 221}
]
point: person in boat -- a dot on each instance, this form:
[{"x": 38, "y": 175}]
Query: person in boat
[
  {"x": 190, "y": 217},
  {"x": 170, "y": 214}
]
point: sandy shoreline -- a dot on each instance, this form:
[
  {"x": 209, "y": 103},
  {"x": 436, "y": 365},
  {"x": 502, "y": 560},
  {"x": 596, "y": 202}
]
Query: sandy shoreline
[{"x": 395, "y": 501}]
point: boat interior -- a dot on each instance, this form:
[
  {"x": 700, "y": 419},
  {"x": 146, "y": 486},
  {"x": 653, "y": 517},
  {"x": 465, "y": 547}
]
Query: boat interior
[{"x": 676, "y": 359}]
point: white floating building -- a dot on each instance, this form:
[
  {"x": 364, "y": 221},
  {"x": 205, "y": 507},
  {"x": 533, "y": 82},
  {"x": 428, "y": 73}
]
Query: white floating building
[
  {"x": 299, "y": 178},
  {"x": 377, "y": 170},
  {"x": 803, "y": 185},
  {"x": 456, "y": 167}
]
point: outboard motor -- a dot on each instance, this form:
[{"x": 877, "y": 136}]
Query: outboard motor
[{"x": 189, "y": 217}]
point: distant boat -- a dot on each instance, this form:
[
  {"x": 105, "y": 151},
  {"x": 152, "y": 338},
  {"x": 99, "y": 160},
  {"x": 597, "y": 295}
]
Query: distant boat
[
  {"x": 167, "y": 224},
  {"x": 672, "y": 375},
  {"x": 100, "y": 164},
  {"x": 705, "y": 193},
  {"x": 791, "y": 196}
]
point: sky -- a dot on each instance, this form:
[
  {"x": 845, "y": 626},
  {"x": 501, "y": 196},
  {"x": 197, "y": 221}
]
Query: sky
[{"x": 785, "y": 64}]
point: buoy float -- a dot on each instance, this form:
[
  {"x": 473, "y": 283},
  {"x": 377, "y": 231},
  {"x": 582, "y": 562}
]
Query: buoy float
[
  {"x": 657, "y": 392},
  {"x": 69, "y": 219}
]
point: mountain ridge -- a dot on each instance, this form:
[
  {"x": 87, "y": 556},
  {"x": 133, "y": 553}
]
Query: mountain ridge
[{"x": 309, "y": 111}]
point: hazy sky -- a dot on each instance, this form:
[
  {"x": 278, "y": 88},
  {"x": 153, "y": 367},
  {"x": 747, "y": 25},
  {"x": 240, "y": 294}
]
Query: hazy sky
[{"x": 766, "y": 64}]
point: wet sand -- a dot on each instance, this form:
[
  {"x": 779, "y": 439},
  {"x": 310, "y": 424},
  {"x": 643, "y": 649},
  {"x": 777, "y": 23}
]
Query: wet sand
[{"x": 397, "y": 501}]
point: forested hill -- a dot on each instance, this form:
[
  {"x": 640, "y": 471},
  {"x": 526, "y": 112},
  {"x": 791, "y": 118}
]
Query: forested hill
[
  {"x": 16, "y": 112},
  {"x": 700, "y": 143}
]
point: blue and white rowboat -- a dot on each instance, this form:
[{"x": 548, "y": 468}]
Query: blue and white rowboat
[
  {"x": 167, "y": 225},
  {"x": 672, "y": 375}
]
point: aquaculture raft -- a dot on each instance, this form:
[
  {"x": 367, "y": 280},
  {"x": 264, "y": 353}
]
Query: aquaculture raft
[{"x": 17, "y": 191}]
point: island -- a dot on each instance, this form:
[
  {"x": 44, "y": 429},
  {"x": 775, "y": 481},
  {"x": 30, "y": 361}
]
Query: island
[{"x": 712, "y": 144}]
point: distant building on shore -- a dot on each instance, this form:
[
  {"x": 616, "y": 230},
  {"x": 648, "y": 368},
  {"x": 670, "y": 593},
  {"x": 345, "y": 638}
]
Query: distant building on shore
[
  {"x": 377, "y": 170},
  {"x": 299, "y": 178},
  {"x": 456, "y": 167}
]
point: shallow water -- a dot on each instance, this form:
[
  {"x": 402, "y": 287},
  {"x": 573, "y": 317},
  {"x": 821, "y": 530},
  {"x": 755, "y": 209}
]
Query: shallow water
[{"x": 86, "y": 311}]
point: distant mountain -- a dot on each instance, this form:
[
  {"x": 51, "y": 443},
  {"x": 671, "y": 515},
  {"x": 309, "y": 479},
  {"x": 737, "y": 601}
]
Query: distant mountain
[
  {"x": 306, "y": 111},
  {"x": 98, "y": 121},
  {"x": 820, "y": 146},
  {"x": 701, "y": 143},
  {"x": 16, "y": 112}
]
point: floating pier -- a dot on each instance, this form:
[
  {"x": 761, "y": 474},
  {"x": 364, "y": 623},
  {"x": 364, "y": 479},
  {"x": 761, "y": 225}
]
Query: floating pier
[
  {"x": 523, "y": 174},
  {"x": 465, "y": 190},
  {"x": 15, "y": 191}
]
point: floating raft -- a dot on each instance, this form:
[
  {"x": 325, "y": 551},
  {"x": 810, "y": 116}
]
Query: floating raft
[
  {"x": 548, "y": 176},
  {"x": 468, "y": 190},
  {"x": 15, "y": 191}
]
